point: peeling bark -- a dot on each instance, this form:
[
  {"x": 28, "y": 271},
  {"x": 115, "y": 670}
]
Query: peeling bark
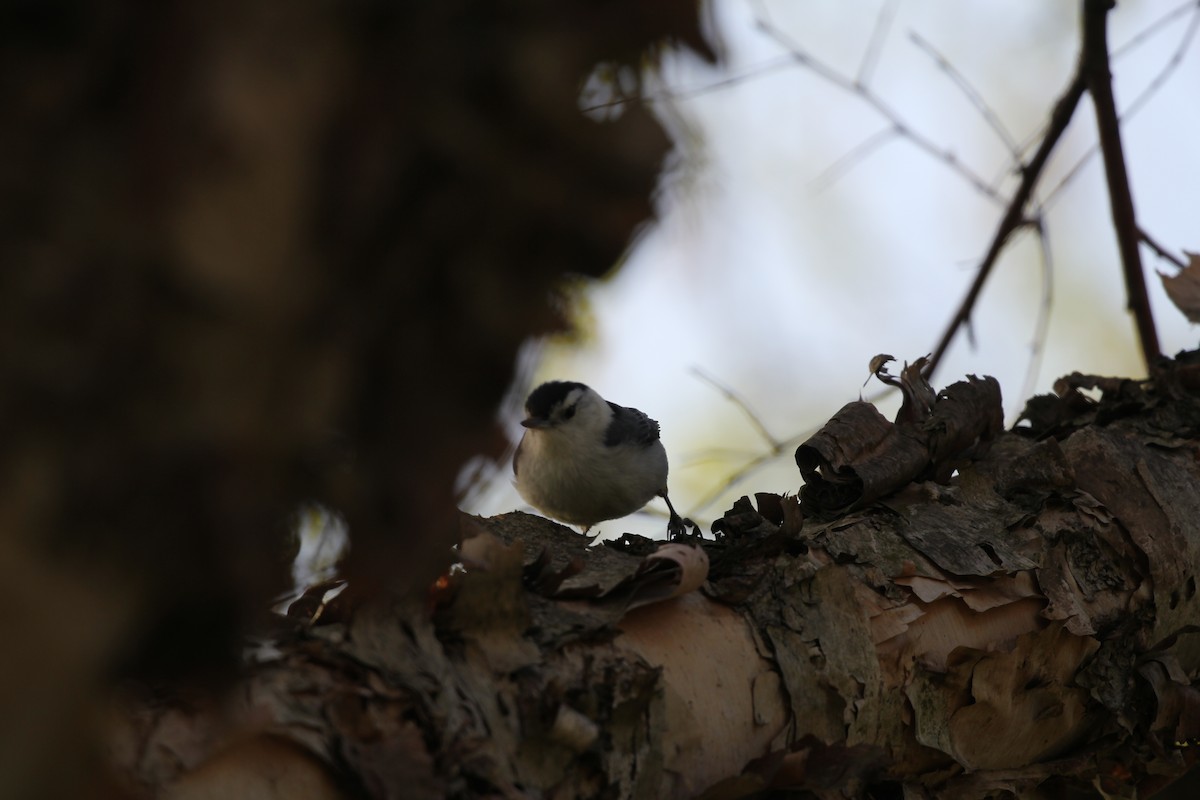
[{"x": 1028, "y": 625}]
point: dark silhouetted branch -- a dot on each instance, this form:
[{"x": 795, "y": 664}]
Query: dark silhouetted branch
[
  {"x": 1145, "y": 95},
  {"x": 1159, "y": 250},
  {"x": 972, "y": 94},
  {"x": 1014, "y": 217},
  {"x": 1094, "y": 66}
]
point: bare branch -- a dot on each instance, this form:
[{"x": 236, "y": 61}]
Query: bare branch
[
  {"x": 747, "y": 470},
  {"x": 1095, "y": 66},
  {"x": 989, "y": 116},
  {"x": 1139, "y": 101},
  {"x": 1153, "y": 28},
  {"x": 741, "y": 403},
  {"x": 899, "y": 125},
  {"x": 1014, "y": 217},
  {"x": 1041, "y": 326},
  {"x": 883, "y": 22},
  {"x": 857, "y": 154},
  {"x": 1159, "y": 250}
]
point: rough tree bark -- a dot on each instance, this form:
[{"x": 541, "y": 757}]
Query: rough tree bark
[{"x": 1016, "y": 617}]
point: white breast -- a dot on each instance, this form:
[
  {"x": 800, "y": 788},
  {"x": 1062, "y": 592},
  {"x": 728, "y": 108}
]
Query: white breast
[{"x": 585, "y": 482}]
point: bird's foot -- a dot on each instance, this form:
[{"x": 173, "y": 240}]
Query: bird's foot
[{"x": 677, "y": 527}]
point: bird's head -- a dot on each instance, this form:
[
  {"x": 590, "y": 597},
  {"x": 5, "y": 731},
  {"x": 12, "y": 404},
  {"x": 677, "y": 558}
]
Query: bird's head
[{"x": 565, "y": 406}]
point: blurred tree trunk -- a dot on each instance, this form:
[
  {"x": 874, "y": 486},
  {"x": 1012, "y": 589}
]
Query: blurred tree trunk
[
  {"x": 1027, "y": 628},
  {"x": 261, "y": 254}
]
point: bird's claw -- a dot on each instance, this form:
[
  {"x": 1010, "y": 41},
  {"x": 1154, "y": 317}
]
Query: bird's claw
[{"x": 677, "y": 527}]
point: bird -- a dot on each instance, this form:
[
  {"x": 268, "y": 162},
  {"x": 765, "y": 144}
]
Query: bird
[{"x": 583, "y": 460}]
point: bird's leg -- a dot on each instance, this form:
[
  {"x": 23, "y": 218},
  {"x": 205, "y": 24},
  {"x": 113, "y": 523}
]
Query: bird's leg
[{"x": 677, "y": 526}]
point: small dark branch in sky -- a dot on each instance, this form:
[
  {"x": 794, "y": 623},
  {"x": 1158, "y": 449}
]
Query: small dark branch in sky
[
  {"x": 741, "y": 403},
  {"x": 1095, "y": 66},
  {"x": 851, "y": 159},
  {"x": 901, "y": 128},
  {"x": 748, "y": 469},
  {"x": 960, "y": 80},
  {"x": 1154, "y": 28},
  {"x": 1014, "y": 217},
  {"x": 1144, "y": 96},
  {"x": 1159, "y": 250},
  {"x": 871, "y": 57}
]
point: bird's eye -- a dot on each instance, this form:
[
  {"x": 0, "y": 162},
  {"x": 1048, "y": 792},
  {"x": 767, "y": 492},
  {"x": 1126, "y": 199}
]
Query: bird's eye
[{"x": 569, "y": 412}]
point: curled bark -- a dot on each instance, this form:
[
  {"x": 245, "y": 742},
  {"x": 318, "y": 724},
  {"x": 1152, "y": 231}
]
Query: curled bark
[{"x": 858, "y": 456}]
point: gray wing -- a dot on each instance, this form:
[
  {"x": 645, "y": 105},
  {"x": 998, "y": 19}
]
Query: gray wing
[{"x": 630, "y": 426}]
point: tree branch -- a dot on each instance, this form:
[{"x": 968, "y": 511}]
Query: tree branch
[
  {"x": 1014, "y": 217},
  {"x": 1094, "y": 66},
  {"x": 1159, "y": 250}
]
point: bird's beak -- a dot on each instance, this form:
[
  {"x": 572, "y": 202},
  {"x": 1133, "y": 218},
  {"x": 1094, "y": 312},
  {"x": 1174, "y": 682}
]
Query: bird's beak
[{"x": 535, "y": 422}]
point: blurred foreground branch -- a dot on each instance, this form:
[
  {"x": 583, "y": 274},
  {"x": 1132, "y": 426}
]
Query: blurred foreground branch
[{"x": 257, "y": 256}]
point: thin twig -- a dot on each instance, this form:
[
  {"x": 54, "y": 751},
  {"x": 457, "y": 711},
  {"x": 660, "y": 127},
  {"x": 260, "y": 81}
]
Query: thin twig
[
  {"x": 741, "y": 403},
  {"x": 1159, "y": 250},
  {"x": 960, "y": 80},
  {"x": 1014, "y": 217},
  {"x": 776, "y": 447},
  {"x": 828, "y": 176},
  {"x": 1153, "y": 28},
  {"x": 899, "y": 125},
  {"x": 883, "y": 22},
  {"x": 1099, "y": 81},
  {"x": 1042, "y": 325},
  {"x": 746, "y": 470},
  {"x": 718, "y": 455}
]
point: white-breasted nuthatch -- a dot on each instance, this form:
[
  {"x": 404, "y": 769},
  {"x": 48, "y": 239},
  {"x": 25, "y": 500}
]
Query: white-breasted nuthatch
[{"x": 583, "y": 459}]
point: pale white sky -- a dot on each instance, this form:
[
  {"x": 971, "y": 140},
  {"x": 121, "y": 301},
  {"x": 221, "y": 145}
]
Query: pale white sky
[{"x": 783, "y": 282}]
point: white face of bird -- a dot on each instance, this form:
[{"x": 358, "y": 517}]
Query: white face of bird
[{"x": 566, "y": 407}]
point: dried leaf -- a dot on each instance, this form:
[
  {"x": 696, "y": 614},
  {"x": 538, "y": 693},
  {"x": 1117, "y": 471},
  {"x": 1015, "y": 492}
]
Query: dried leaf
[{"x": 1184, "y": 288}]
